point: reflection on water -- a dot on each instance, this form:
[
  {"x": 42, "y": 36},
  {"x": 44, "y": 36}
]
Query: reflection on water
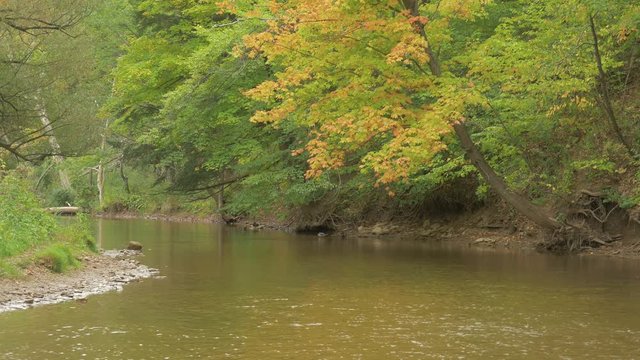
[{"x": 227, "y": 293}]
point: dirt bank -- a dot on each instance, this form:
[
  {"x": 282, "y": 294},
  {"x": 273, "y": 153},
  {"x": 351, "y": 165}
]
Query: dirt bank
[
  {"x": 242, "y": 223},
  {"x": 188, "y": 218},
  {"x": 99, "y": 273},
  {"x": 495, "y": 226},
  {"x": 492, "y": 227}
]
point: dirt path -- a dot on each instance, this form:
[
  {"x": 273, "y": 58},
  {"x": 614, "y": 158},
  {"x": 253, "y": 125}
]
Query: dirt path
[{"x": 99, "y": 273}]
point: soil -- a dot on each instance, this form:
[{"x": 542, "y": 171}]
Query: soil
[
  {"x": 99, "y": 273},
  {"x": 491, "y": 227}
]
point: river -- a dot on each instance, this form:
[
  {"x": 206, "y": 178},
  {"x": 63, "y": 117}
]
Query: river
[{"x": 229, "y": 293}]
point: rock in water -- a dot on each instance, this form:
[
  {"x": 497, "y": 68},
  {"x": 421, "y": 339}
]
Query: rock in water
[
  {"x": 134, "y": 245},
  {"x": 485, "y": 241},
  {"x": 380, "y": 229}
]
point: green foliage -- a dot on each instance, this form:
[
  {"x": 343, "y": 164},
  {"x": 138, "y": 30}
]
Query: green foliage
[
  {"x": 603, "y": 165},
  {"x": 625, "y": 202},
  {"x": 25, "y": 226},
  {"x": 514, "y": 69},
  {"x": 310, "y": 191},
  {"x": 352, "y": 98},
  {"x": 23, "y": 223},
  {"x": 134, "y": 203},
  {"x": 62, "y": 197},
  {"x": 8, "y": 270},
  {"x": 77, "y": 234},
  {"x": 58, "y": 257}
]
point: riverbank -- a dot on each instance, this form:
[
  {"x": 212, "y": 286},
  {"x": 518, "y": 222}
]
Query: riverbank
[
  {"x": 244, "y": 223},
  {"x": 493, "y": 227},
  {"x": 499, "y": 238},
  {"x": 99, "y": 273}
]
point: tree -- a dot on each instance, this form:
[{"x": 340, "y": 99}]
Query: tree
[
  {"x": 178, "y": 96},
  {"x": 369, "y": 75},
  {"x": 39, "y": 66}
]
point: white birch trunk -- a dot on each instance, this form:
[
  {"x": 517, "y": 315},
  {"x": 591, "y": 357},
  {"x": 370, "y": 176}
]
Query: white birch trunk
[
  {"x": 65, "y": 183},
  {"x": 100, "y": 177}
]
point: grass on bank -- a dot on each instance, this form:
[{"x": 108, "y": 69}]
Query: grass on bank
[{"x": 30, "y": 235}]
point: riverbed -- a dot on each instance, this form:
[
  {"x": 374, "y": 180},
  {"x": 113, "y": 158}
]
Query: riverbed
[{"x": 229, "y": 293}]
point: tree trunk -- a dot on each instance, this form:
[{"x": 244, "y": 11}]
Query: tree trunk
[
  {"x": 65, "y": 183},
  {"x": 534, "y": 213},
  {"x": 603, "y": 90},
  {"x": 217, "y": 194},
  {"x": 125, "y": 178},
  {"x": 6, "y": 140},
  {"x": 220, "y": 194},
  {"x": 220, "y": 200},
  {"x": 100, "y": 176},
  {"x": 100, "y": 184}
]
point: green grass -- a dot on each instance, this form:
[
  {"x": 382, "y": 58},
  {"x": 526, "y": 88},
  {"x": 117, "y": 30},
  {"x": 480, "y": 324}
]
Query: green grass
[
  {"x": 58, "y": 257},
  {"x": 28, "y": 234},
  {"x": 23, "y": 224},
  {"x": 9, "y": 270}
]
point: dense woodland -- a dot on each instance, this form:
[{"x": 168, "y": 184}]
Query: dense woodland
[{"x": 327, "y": 112}]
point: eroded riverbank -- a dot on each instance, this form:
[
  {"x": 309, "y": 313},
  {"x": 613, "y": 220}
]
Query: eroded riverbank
[
  {"x": 99, "y": 273},
  {"x": 490, "y": 228}
]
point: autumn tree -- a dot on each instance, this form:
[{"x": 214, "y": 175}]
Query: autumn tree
[
  {"x": 392, "y": 90},
  {"x": 377, "y": 75}
]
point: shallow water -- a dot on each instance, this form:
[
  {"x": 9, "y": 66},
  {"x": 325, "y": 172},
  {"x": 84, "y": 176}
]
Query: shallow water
[{"x": 228, "y": 293}]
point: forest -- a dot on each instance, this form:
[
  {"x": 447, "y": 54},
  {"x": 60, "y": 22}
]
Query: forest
[{"x": 324, "y": 114}]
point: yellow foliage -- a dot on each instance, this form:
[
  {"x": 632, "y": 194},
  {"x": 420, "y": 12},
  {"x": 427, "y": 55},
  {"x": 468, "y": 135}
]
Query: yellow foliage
[{"x": 350, "y": 72}]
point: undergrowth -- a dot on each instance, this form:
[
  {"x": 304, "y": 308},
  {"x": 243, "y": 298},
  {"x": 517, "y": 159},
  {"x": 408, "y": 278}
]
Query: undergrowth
[
  {"x": 28, "y": 234},
  {"x": 8, "y": 270},
  {"x": 58, "y": 257}
]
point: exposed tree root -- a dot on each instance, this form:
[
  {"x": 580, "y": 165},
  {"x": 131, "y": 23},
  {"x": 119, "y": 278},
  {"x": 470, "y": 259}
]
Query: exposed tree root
[
  {"x": 574, "y": 238},
  {"x": 585, "y": 226}
]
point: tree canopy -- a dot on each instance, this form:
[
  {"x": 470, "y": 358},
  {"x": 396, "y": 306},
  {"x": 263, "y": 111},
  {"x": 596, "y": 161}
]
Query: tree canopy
[{"x": 335, "y": 107}]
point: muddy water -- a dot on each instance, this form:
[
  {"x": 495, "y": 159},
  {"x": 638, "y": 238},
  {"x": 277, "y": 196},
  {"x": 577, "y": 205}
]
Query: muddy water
[{"x": 234, "y": 294}]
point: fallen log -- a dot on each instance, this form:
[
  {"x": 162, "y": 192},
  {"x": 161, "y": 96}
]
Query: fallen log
[{"x": 64, "y": 210}]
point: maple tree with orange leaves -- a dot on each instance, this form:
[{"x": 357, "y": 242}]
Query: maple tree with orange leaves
[{"x": 358, "y": 73}]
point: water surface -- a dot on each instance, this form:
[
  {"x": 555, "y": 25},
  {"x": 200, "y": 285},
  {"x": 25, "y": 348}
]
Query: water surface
[{"x": 229, "y": 293}]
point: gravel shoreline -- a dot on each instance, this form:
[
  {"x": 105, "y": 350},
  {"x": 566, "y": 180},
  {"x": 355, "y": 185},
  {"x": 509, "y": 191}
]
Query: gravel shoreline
[{"x": 100, "y": 273}]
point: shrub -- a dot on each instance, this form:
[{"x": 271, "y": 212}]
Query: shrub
[
  {"x": 8, "y": 270},
  {"x": 134, "y": 203},
  {"x": 78, "y": 234},
  {"x": 23, "y": 223},
  {"x": 62, "y": 197}
]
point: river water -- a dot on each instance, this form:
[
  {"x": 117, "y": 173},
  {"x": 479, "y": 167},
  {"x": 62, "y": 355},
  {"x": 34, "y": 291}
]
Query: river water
[{"x": 229, "y": 293}]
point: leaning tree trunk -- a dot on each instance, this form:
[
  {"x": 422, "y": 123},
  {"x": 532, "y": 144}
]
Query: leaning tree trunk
[
  {"x": 65, "y": 183},
  {"x": 124, "y": 177},
  {"x": 534, "y": 213},
  {"x": 604, "y": 98}
]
